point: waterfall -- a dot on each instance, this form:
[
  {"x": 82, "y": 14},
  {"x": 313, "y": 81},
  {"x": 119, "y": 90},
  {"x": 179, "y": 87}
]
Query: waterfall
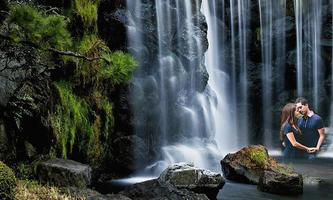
[
  {"x": 309, "y": 64},
  {"x": 173, "y": 110},
  {"x": 272, "y": 33},
  {"x": 299, "y": 36},
  {"x": 316, "y": 51},
  {"x": 266, "y": 32},
  {"x": 331, "y": 110}
]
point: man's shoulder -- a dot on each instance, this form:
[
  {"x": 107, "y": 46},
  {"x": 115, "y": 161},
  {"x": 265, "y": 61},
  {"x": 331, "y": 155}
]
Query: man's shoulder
[{"x": 317, "y": 117}]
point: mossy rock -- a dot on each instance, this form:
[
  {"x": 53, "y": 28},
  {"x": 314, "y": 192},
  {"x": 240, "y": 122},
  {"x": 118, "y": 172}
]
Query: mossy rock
[
  {"x": 7, "y": 182},
  {"x": 248, "y": 164}
]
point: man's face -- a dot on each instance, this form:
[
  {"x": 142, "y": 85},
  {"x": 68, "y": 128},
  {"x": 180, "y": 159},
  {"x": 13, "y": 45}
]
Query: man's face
[{"x": 303, "y": 109}]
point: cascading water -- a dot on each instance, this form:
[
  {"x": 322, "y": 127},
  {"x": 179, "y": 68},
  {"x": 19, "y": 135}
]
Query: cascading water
[
  {"x": 173, "y": 112},
  {"x": 309, "y": 72},
  {"x": 266, "y": 24}
]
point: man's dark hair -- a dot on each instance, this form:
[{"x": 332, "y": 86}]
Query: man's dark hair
[{"x": 301, "y": 100}]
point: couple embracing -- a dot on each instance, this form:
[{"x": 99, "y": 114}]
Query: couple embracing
[{"x": 302, "y": 131}]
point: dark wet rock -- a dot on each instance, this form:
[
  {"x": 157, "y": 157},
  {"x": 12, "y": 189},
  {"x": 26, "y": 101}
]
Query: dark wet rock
[
  {"x": 90, "y": 194},
  {"x": 27, "y": 116},
  {"x": 66, "y": 4},
  {"x": 111, "y": 23},
  {"x": 155, "y": 189},
  {"x": 186, "y": 176},
  {"x": 124, "y": 158},
  {"x": 281, "y": 183},
  {"x": 3, "y": 7},
  {"x": 3, "y": 141},
  {"x": 64, "y": 173}
]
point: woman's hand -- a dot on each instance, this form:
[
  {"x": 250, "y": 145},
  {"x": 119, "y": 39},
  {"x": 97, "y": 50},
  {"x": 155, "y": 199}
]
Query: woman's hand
[{"x": 311, "y": 150}]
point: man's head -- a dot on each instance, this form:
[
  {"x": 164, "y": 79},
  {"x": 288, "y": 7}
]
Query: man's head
[{"x": 302, "y": 106}]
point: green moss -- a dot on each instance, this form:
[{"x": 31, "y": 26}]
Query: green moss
[
  {"x": 119, "y": 67},
  {"x": 28, "y": 24},
  {"x": 87, "y": 10},
  {"x": 259, "y": 157},
  {"x": 70, "y": 118},
  {"x": 284, "y": 169},
  {"x": 7, "y": 182}
]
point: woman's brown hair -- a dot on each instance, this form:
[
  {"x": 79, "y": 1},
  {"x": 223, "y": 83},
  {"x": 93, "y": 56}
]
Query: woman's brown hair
[{"x": 288, "y": 116}]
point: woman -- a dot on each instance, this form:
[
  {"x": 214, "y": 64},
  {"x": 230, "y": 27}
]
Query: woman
[{"x": 290, "y": 133}]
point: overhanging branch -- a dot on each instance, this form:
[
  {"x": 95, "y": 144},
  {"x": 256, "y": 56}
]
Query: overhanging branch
[{"x": 57, "y": 51}]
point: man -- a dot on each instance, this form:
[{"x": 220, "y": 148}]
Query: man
[{"x": 311, "y": 125}]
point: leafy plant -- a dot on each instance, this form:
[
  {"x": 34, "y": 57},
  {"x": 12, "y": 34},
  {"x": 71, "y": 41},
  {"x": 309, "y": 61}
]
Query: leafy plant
[
  {"x": 119, "y": 67},
  {"x": 7, "y": 182},
  {"x": 70, "y": 118},
  {"x": 30, "y": 25}
]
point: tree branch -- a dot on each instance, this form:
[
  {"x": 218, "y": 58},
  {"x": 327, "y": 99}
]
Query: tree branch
[{"x": 57, "y": 51}]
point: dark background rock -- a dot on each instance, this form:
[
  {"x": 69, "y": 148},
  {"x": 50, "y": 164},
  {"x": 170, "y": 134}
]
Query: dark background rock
[
  {"x": 111, "y": 23},
  {"x": 124, "y": 158},
  {"x": 153, "y": 189},
  {"x": 64, "y": 173}
]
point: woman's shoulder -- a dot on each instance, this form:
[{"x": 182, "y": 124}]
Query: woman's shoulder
[{"x": 287, "y": 128}]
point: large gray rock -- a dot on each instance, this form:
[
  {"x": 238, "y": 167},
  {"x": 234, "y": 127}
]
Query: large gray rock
[
  {"x": 64, "y": 173},
  {"x": 281, "y": 183},
  {"x": 155, "y": 189},
  {"x": 186, "y": 176}
]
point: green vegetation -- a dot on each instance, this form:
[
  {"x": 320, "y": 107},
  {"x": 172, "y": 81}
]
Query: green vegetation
[
  {"x": 34, "y": 191},
  {"x": 30, "y": 25},
  {"x": 70, "y": 118},
  {"x": 82, "y": 120},
  {"x": 284, "y": 169},
  {"x": 119, "y": 67},
  {"x": 259, "y": 157},
  {"x": 7, "y": 182},
  {"x": 87, "y": 10}
]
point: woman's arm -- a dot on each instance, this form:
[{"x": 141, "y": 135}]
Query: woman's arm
[{"x": 295, "y": 144}]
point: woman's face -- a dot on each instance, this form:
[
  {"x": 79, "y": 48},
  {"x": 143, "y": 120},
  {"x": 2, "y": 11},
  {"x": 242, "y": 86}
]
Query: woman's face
[{"x": 297, "y": 114}]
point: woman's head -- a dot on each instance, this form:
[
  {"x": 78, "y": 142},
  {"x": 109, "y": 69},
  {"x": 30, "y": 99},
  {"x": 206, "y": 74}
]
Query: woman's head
[{"x": 288, "y": 114}]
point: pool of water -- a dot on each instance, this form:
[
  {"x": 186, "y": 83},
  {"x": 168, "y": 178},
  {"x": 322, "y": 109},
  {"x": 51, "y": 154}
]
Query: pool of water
[{"x": 318, "y": 183}]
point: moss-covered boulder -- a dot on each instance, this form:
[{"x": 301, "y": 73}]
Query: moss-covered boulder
[
  {"x": 252, "y": 164},
  {"x": 247, "y": 164},
  {"x": 7, "y": 182},
  {"x": 64, "y": 173},
  {"x": 186, "y": 176}
]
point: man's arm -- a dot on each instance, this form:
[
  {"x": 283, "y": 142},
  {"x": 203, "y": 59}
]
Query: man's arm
[{"x": 321, "y": 138}]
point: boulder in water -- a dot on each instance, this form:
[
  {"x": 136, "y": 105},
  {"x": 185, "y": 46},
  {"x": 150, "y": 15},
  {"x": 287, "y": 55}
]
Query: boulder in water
[
  {"x": 155, "y": 189},
  {"x": 186, "y": 176},
  {"x": 289, "y": 183},
  {"x": 252, "y": 164}
]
